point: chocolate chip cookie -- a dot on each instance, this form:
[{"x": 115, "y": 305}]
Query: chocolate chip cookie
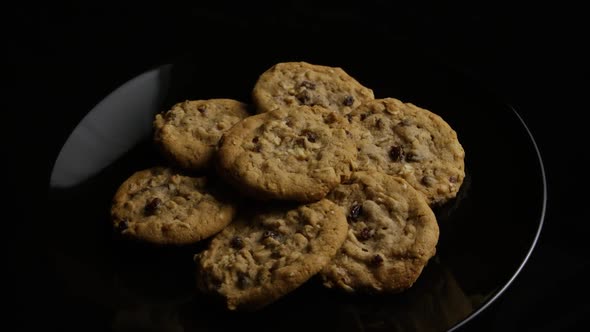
[
  {"x": 413, "y": 143},
  {"x": 290, "y": 84},
  {"x": 264, "y": 255},
  {"x": 188, "y": 133},
  {"x": 288, "y": 154},
  {"x": 392, "y": 235},
  {"x": 161, "y": 206}
]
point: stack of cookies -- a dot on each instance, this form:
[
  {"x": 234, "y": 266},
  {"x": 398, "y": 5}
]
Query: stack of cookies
[{"x": 340, "y": 185}]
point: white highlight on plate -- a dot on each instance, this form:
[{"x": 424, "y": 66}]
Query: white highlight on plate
[{"x": 111, "y": 128}]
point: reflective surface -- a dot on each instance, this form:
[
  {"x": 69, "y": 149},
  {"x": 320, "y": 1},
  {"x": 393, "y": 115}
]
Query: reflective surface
[{"x": 486, "y": 233}]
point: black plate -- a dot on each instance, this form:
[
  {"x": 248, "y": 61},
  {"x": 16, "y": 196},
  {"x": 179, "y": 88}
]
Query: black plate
[{"x": 487, "y": 233}]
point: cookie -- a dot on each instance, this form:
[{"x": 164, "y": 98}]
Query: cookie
[
  {"x": 188, "y": 133},
  {"x": 392, "y": 235},
  {"x": 262, "y": 256},
  {"x": 411, "y": 142},
  {"x": 288, "y": 154},
  {"x": 161, "y": 206},
  {"x": 289, "y": 84}
]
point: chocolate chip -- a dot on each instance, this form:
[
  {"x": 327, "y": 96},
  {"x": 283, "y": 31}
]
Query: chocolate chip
[
  {"x": 236, "y": 242},
  {"x": 396, "y": 153},
  {"x": 311, "y": 136},
  {"x": 348, "y": 101},
  {"x": 244, "y": 281},
  {"x": 255, "y": 139},
  {"x": 363, "y": 117},
  {"x": 308, "y": 84},
  {"x": 453, "y": 179},
  {"x": 377, "y": 260},
  {"x": 355, "y": 211},
  {"x": 379, "y": 124},
  {"x": 153, "y": 206},
  {"x": 346, "y": 181},
  {"x": 209, "y": 279},
  {"x": 269, "y": 233},
  {"x": 300, "y": 141},
  {"x": 365, "y": 234},
  {"x": 123, "y": 225},
  {"x": 304, "y": 98}
]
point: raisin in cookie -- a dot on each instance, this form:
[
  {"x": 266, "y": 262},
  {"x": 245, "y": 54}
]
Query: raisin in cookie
[
  {"x": 188, "y": 133},
  {"x": 289, "y": 84},
  {"x": 288, "y": 154},
  {"x": 411, "y": 142},
  {"x": 160, "y": 206},
  {"x": 264, "y": 255},
  {"x": 392, "y": 235}
]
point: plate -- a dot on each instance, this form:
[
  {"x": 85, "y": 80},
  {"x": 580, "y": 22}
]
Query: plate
[{"x": 487, "y": 233}]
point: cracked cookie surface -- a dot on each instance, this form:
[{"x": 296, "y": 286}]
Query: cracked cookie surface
[
  {"x": 161, "y": 206},
  {"x": 266, "y": 254},
  {"x": 289, "y": 84},
  {"x": 188, "y": 133},
  {"x": 404, "y": 140},
  {"x": 288, "y": 154},
  {"x": 392, "y": 234}
]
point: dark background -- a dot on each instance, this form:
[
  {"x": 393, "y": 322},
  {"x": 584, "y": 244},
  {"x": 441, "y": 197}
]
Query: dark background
[{"x": 65, "y": 57}]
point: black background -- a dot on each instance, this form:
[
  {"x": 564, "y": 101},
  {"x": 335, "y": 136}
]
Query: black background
[{"x": 64, "y": 57}]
